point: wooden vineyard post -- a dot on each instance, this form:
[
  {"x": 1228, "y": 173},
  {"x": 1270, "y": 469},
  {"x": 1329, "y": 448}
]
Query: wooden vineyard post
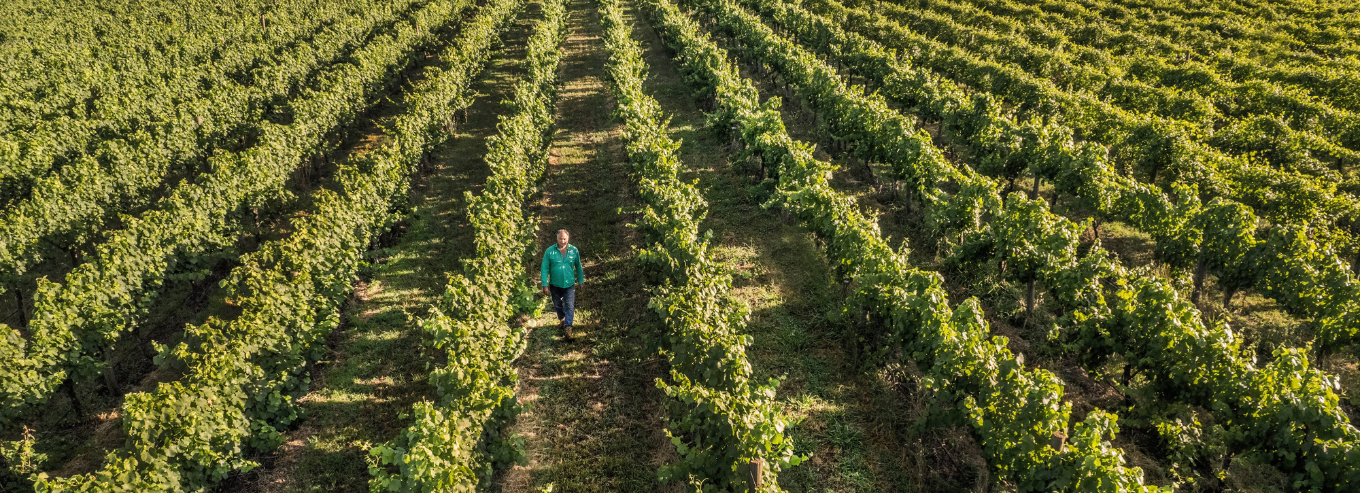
[
  {"x": 70, "y": 386},
  {"x": 110, "y": 377},
  {"x": 1058, "y": 441},
  {"x": 19, "y": 300},
  {"x": 757, "y": 469}
]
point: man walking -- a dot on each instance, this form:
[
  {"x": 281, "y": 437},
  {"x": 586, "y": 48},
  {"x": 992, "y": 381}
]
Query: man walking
[{"x": 562, "y": 274}]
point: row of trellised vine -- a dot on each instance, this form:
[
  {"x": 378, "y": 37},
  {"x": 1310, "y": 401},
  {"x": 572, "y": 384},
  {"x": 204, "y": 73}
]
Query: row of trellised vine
[
  {"x": 727, "y": 429},
  {"x": 455, "y": 443}
]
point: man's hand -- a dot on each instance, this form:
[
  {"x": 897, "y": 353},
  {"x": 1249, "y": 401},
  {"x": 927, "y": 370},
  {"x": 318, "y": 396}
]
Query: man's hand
[
  {"x": 545, "y": 291},
  {"x": 578, "y": 286}
]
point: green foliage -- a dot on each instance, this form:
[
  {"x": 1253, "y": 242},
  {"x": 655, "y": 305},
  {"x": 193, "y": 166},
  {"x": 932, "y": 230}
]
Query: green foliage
[
  {"x": 1199, "y": 48},
  {"x": 1234, "y": 242},
  {"x": 20, "y": 459},
  {"x": 526, "y": 302},
  {"x": 1110, "y": 112},
  {"x": 1032, "y": 240},
  {"x": 1014, "y": 413},
  {"x": 120, "y": 84},
  {"x": 720, "y": 421},
  {"x": 1191, "y": 444},
  {"x": 1142, "y": 317},
  {"x": 1284, "y": 125},
  {"x": 156, "y": 138},
  {"x": 1155, "y": 145},
  {"x": 1286, "y": 409},
  {"x": 242, "y": 377},
  {"x": 102, "y": 298},
  {"x": 455, "y": 444}
]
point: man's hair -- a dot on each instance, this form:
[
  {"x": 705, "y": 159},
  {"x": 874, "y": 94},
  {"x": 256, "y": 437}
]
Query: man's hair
[{"x": 560, "y": 231}]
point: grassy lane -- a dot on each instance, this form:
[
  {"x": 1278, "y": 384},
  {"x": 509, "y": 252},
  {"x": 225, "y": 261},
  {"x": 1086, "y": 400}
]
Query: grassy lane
[
  {"x": 376, "y": 369},
  {"x": 856, "y": 425},
  {"x": 593, "y": 421}
]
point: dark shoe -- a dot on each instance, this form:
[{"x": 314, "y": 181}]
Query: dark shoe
[{"x": 567, "y": 330}]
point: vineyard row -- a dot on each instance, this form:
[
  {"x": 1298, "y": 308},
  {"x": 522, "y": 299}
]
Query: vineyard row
[
  {"x": 727, "y": 430},
  {"x": 455, "y": 443}
]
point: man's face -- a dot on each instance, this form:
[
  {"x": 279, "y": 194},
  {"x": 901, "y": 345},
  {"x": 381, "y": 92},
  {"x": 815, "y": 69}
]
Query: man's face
[{"x": 562, "y": 238}]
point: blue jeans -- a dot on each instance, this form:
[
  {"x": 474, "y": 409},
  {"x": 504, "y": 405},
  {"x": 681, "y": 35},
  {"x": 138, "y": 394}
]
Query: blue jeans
[{"x": 564, "y": 301}]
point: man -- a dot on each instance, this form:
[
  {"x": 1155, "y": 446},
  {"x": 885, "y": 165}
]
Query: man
[{"x": 562, "y": 274}]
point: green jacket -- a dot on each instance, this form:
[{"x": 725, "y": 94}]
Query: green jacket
[{"x": 562, "y": 269}]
